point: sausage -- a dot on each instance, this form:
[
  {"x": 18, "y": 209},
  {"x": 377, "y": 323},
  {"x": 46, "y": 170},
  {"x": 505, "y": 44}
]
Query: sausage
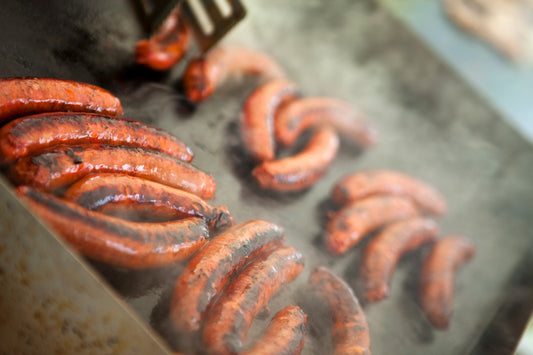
[
  {"x": 115, "y": 241},
  {"x": 437, "y": 278},
  {"x": 303, "y": 169},
  {"x": 27, "y": 135},
  {"x": 285, "y": 334},
  {"x": 62, "y": 166},
  {"x": 231, "y": 316},
  {"x": 257, "y": 119},
  {"x": 166, "y": 47},
  {"x": 204, "y": 74},
  {"x": 378, "y": 182},
  {"x": 296, "y": 116},
  {"x": 359, "y": 218},
  {"x": 26, "y": 96},
  {"x": 350, "y": 332},
  {"x": 209, "y": 270},
  {"x": 384, "y": 251},
  {"x": 131, "y": 196}
]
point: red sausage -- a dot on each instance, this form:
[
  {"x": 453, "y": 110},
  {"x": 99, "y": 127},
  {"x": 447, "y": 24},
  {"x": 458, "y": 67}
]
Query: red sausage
[
  {"x": 303, "y": 169},
  {"x": 115, "y": 241},
  {"x": 386, "y": 182},
  {"x": 384, "y": 251},
  {"x": 206, "y": 73},
  {"x": 26, "y": 96},
  {"x": 27, "y": 135},
  {"x": 359, "y": 218},
  {"x": 437, "y": 278},
  {"x": 350, "y": 333},
  {"x": 62, "y": 166},
  {"x": 209, "y": 270},
  {"x": 230, "y": 318},
  {"x": 285, "y": 334},
  {"x": 295, "y": 117},
  {"x": 257, "y": 119}
]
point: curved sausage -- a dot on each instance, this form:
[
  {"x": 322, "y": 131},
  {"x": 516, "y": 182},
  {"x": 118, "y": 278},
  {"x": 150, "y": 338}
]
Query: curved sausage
[
  {"x": 166, "y": 47},
  {"x": 380, "y": 182},
  {"x": 285, "y": 334},
  {"x": 359, "y": 218},
  {"x": 62, "y": 166},
  {"x": 231, "y": 316},
  {"x": 115, "y": 241},
  {"x": 438, "y": 275},
  {"x": 295, "y": 117},
  {"x": 350, "y": 333},
  {"x": 205, "y": 73},
  {"x": 209, "y": 270},
  {"x": 26, "y": 96},
  {"x": 143, "y": 200},
  {"x": 257, "y": 118},
  {"x": 384, "y": 251},
  {"x": 303, "y": 169},
  {"x": 27, "y": 135}
]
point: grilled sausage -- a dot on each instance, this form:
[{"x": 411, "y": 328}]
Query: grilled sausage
[
  {"x": 205, "y": 73},
  {"x": 231, "y": 316},
  {"x": 303, "y": 169},
  {"x": 27, "y": 135},
  {"x": 285, "y": 334},
  {"x": 350, "y": 333},
  {"x": 209, "y": 270},
  {"x": 257, "y": 119},
  {"x": 26, "y": 96},
  {"x": 143, "y": 200},
  {"x": 166, "y": 47},
  {"x": 63, "y": 166},
  {"x": 377, "y": 182},
  {"x": 295, "y": 117},
  {"x": 359, "y": 218},
  {"x": 115, "y": 241},
  {"x": 384, "y": 251},
  {"x": 438, "y": 275}
]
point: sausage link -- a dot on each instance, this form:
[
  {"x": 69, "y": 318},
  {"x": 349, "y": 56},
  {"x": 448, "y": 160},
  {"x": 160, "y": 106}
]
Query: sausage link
[
  {"x": 209, "y": 270},
  {"x": 303, "y": 169},
  {"x": 384, "y": 251},
  {"x": 295, "y": 117},
  {"x": 378, "y": 182},
  {"x": 285, "y": 334},
  {"x": 438, "y": 275},
  {"x": 350, "y": 333},
  {"x": 62, "y": 166},
  {"x": 26, "y": 96},
  {"x": 359, "y": 218},
  {"x": 230, "y": 318},
  {"x": 27, "y": 135},
  {"x": 205, "y": 73},
  {"x": 115, "y": 241},
  {"x": 139, "y": 199}
]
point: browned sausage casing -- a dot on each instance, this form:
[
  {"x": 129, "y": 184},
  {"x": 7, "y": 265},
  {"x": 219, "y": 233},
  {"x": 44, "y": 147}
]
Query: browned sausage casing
[
  {"x": 27, "y": 135},
  {"x": 303, "y": 169},
  {"x": 257, "y": 119},
  {"x": 62, "y": 166},
  {"x": 115, "y": 241},
  {"x": 438, "y": 275},
  {"x": 355, "y": 220},
  {"x": 386, "y": 182},
  {"x": 285, "y": 334},
  {"x": 384, "y": 251},
  {"x": 350, "y": 333},
  {"x": 26, "y": 96},
  {"x": 230, "y": 318},
  {"x": 209, "y": 270}
]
